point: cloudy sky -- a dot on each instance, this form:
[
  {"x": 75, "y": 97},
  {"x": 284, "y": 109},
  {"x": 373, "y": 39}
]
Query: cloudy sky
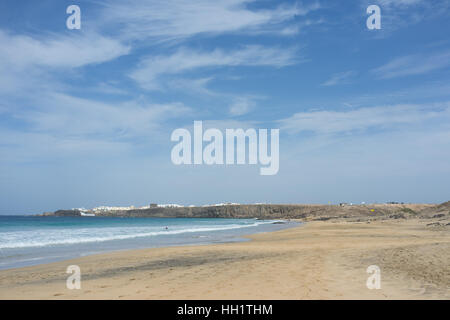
[{"x": 86, "y": 115}]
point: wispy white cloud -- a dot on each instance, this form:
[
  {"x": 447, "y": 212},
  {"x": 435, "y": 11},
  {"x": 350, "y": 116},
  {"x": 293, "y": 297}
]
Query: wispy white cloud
[
  {"x": 193, "y": 86},
  {"x": 28, "y": 146},
  {"x": 413, "y": 65},
  {"x": 107, "y": 87},
  {"x": 65, "y": 115},
  {"x": 56, "y": 51},
  {"x": 179, "y": 19},
  {"x": 64, "y": 125},
  {"x": 363, "y": 119},
  {"x": 151, "y": 68},
  {"x": 339, "y": 78},
  {"x": 400, "y": 3},
  {"x": 28, "y": 62},
  {"x": 241, "y": 106}
]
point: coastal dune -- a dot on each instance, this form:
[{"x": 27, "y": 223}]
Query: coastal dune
[{"x": 317, "y": 260}]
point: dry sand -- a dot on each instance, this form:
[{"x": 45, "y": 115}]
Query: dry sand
[{"x": 319, "y": 260}]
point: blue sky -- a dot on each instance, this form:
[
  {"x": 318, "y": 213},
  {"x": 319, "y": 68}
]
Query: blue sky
[{"x": 86, "y": 115}]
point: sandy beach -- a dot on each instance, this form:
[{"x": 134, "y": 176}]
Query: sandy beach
[{"x": 317, "y": 260}]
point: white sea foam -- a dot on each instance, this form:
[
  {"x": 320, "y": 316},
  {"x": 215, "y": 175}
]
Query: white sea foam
[{"x": 52, "y": 237}]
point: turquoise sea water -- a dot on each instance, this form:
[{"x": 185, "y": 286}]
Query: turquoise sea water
[{"x": 28, "y": 240}]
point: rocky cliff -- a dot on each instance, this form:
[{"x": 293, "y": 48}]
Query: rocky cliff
[{"x": 279, "y": 211}]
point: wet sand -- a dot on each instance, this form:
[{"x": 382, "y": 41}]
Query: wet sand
[{"x": 318, "y": 260}]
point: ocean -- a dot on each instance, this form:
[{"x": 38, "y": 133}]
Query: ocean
[{"x": 32, "y": 240}]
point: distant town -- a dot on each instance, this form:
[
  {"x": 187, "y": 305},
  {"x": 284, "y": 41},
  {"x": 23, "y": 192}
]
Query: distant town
[{"x": 101, "y": 209}]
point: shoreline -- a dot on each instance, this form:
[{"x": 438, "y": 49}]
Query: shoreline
[
  {"x": 316, "y": 260},
  {"x": 64, "y": 252}
]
